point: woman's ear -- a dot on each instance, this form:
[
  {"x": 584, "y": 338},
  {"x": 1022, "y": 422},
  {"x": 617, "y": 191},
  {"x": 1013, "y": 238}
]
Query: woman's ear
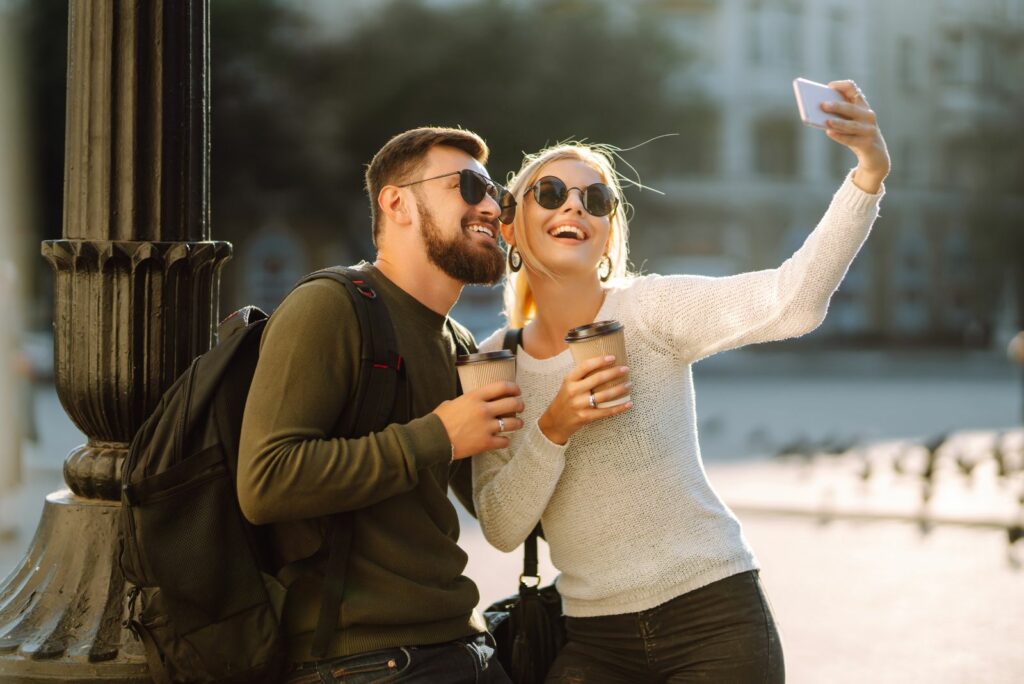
[
  {"x": 392, "y": 202},
  {"x": 509, "y": 234}
]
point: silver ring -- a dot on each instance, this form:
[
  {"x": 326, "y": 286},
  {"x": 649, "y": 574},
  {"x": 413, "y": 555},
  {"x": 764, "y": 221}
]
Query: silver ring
[
  {"x": 501, "y": 424},
  {"x": 593, "y": 401}
]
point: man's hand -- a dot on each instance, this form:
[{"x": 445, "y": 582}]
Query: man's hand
[{"x": 472, "y": 419}]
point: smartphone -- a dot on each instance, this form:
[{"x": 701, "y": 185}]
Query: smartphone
[{"x": 809, "y": 98}]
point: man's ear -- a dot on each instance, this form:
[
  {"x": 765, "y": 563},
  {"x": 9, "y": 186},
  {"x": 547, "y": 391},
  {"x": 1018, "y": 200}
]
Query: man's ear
[
  {"x": 392, "y": 201},
  {"x": 508, "y": 234}
]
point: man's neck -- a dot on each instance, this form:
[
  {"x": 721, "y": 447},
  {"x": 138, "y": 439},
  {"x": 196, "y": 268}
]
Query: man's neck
[{"x": 423, "y": 281}]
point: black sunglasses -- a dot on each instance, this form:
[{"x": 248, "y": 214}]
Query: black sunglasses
[
  {"x": 474, "y": 187},
  {"x": 551, "y": 193}
]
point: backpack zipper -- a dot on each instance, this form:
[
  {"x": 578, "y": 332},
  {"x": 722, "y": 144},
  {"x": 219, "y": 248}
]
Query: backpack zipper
[
  {"x": 130, "y": 621},
  {"x": 183, "y": 421}
]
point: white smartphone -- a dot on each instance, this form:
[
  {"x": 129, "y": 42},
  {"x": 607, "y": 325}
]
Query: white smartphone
[{"x": 809, "y": 98}]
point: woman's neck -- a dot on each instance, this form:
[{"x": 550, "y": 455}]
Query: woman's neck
[{"x": 562, "y": 305}]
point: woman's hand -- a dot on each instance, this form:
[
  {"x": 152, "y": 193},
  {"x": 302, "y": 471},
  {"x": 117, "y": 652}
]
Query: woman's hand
[
  {"x": 856, "y": 127},
  {"x": 571, "y": 408}
]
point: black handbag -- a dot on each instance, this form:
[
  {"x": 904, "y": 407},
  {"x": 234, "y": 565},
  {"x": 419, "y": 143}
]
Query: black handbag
[{"x": 528, "y": 627}]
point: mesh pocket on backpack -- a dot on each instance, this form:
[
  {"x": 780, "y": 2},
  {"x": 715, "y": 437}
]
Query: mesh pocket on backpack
[{"x": 194, "y": 542}]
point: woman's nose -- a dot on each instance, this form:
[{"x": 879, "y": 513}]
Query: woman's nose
[{"x": 574, "y": 202}]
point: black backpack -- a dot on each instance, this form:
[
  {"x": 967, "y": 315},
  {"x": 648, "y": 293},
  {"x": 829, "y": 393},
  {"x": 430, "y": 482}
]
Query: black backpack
[{"x": 203, "y": 596}]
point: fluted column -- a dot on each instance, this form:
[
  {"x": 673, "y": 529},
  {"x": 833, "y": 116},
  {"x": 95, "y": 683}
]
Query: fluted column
[{"x": 136, "y": 300}]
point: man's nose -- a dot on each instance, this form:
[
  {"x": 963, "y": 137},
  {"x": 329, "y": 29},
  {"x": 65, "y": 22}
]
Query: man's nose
[{"x": 489, "y": 206}]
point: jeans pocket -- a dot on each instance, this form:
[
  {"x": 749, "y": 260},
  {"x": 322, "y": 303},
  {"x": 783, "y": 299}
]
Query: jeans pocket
[
  {"x": 379, "y": 666},
  {"x": 775, "y": 672}
]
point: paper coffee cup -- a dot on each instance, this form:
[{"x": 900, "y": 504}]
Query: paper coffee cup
[
  {"x": 477, "y": 370},
  {"x": 602, "y": 338}
]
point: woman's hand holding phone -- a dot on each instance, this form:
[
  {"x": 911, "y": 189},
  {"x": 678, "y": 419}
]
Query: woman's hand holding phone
[{"x": 853, "y": 123}]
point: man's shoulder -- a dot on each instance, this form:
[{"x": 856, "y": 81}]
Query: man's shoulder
[
  {"x": 319, "y": 295},
  {"x": 464, "y": 339}
]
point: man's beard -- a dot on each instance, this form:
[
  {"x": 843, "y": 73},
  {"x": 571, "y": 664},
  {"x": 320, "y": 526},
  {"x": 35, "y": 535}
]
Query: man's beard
[{"x": 459, "y": 257}]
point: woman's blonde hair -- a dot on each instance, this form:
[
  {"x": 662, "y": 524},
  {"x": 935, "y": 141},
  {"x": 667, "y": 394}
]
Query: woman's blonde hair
[{"x": 520, "y": 306}]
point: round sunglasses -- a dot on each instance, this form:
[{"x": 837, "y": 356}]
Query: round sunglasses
[
  {"x": 474, "y": 187},
  {"x": 551, "y": 192}
]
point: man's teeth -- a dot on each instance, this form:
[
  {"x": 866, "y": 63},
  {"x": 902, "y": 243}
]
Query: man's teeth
[
  {"x": 567, "y": 232},
  {"x": 482, "y": 229}
]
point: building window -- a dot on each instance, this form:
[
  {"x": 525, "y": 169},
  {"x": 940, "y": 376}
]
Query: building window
[
  {"x": 698, "y": 143},
  {"x": 912, "y": 282},
  {"x": 905, "y": 62},
  {"x": 773, "y": 34},
  {"x": 841, "y": 159},
  {"x": 958, "y": 59},
  {"x": 775, "y": 148},
  {"x": 273, "y": 261},
  {"x": 956, "y": 281},
  {"x": 837, "y": 32}
]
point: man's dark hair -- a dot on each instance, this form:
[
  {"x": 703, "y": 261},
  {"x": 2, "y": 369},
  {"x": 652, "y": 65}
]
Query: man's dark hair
[{"x": 402, "y": 155}]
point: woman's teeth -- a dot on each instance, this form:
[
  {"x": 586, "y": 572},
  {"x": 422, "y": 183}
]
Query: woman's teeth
[{"x": 567, "y": 232}]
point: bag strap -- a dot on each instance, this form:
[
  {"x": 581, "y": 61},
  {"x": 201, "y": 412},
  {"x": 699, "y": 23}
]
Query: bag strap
[
  {"x": 513, "y": 340},
  {"x": 376, "y": 389}
]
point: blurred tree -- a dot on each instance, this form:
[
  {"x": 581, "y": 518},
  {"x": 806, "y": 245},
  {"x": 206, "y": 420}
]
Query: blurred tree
[
  {"x": 296, "y": 114},
  {"x": 523, "y": 75},
  {"x": 266, "y": 160}
]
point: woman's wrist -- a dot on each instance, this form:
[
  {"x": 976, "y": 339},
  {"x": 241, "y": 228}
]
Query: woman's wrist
[
  {"x": 868, "y": 181},
  {"x": 547, "y": 427}
]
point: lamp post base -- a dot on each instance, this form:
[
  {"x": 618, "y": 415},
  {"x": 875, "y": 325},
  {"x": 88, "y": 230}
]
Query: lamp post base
[{"x": 62, "y": 607}]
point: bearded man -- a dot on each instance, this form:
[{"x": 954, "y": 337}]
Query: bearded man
[{"x": 406, "y": 610}]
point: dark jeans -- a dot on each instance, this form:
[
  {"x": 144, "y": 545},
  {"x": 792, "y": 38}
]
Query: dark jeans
[
  {"x": 722, "y": 633},
  {"x": 463, "y": 661}
]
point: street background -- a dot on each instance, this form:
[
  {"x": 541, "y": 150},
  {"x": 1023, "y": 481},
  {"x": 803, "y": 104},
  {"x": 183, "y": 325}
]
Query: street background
[
  {"x": 855, "y": 601},
  {"x": 866, "y": 586}
]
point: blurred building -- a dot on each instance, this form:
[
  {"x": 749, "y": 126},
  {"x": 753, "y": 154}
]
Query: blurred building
[{"x": 944, "y": 78}]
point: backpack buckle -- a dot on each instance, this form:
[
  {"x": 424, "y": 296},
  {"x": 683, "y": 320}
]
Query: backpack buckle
[{"x": 364, "y": 289}]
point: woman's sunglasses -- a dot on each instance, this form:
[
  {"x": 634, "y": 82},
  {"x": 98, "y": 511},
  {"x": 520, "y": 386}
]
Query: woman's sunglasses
[
  {"x": 551, "y": 193},
  {"x": 474, "y": 187}
]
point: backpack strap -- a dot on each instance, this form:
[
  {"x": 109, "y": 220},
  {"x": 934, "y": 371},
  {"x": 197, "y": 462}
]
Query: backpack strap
[
  {"x": 376, "y": 389},
  {"x": 512, "y": 342}
]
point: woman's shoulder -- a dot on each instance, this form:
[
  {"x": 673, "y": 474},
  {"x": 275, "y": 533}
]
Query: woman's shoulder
[
  {"x": 494, "y": 341},
  {"x": 644, "y": 290}
]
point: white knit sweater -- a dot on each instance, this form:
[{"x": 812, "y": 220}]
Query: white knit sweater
[{"x": 627, "y": 509}]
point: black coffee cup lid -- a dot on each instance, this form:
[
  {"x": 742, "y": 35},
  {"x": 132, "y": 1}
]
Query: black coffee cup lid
[
  {"x": 596, "y": 329},
  {"x": 484, "y": 356}
]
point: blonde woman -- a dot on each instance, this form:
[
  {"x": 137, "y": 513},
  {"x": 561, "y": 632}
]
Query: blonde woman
[{"x": 657, "y": 580}]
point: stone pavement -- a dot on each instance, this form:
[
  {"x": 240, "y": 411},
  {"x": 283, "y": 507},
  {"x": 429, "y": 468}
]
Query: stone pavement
[
  {"x": 869, "y": 583},
  {"x": 938, "y": 598},
  {"x": 862, "y": 590}
]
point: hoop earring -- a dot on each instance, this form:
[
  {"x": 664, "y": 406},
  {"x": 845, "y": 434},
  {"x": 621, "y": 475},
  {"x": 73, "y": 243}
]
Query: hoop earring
[
  {"x": 604, "y": 268},
  {"x": 515, "y": 259}
]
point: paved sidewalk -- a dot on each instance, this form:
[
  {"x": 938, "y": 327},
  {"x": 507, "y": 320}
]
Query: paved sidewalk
[
  {"x": 871, "y": 600},
  {"x": 856, "y": 601}
]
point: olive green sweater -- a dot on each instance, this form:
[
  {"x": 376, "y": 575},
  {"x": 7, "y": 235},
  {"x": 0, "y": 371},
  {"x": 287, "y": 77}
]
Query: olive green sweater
[{"x": 404, "y": 584}]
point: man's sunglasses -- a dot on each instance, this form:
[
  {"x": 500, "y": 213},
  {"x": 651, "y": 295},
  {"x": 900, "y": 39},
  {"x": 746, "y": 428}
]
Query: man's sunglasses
[
  {"x": 551, "y": 193},
  {"x": 474, "y": 187}
]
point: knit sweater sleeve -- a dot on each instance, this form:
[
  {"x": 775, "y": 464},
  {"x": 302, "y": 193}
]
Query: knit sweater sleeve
[
  {"x": 511, "y": 488},
  {"x": 693, "y": 317}
]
